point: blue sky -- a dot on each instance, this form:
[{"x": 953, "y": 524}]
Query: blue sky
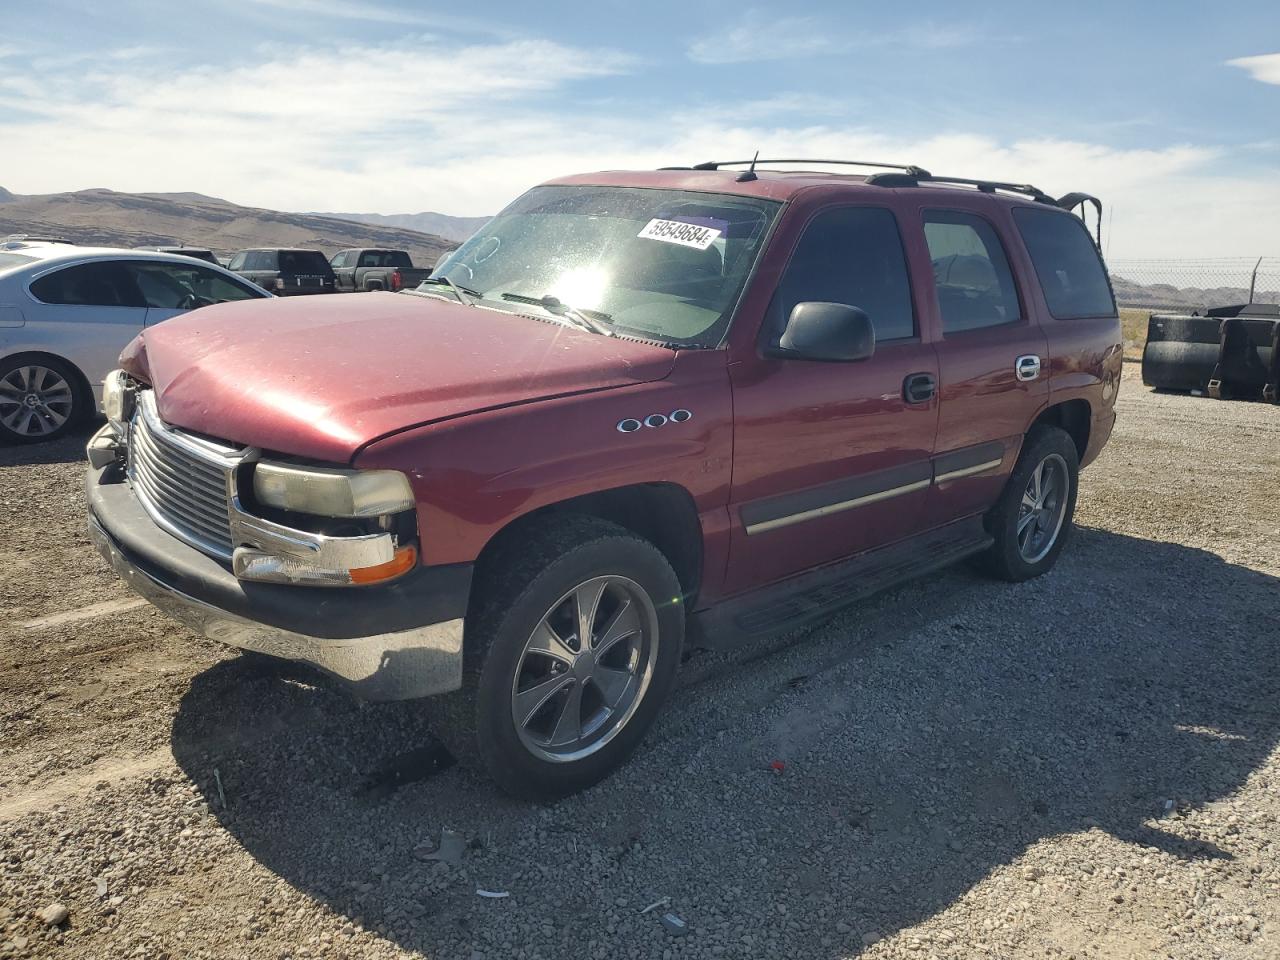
[{"x": 1170, "y": 111}]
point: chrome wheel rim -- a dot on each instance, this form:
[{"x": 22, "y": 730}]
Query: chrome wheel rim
[
  {"x": 585, "y": 669},
  {"x": 35, "y": 401},
  {"x": 1043, "y": 508}
]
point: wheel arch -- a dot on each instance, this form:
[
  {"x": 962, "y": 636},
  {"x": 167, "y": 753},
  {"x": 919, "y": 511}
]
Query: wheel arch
[
  {"x": 1073, "y": 416},
  {"x": 662, "y": 513}
]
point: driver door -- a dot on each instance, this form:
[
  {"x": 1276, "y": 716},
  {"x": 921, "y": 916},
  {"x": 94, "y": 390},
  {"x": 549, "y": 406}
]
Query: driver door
[{"x": 831, "y": 459}]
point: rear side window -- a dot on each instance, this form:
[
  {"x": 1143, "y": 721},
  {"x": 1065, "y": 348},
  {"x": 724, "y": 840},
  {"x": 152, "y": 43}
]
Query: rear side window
[
  {"x": 850, "y": 255},
  {"x": 260, "y": 260},
  {"x": 398, "y": 258},
  {"x": 974, "y": 282},
  {"x": 103, "y": 284},
  {"x": 1067, "y": 264},
  {"x": 340, "y": 260}
]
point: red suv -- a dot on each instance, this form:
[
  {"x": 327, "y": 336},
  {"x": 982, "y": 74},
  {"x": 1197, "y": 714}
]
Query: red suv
[{"x": 635, "y": 412}]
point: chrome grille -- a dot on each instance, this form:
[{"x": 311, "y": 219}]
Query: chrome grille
[{"x": 182, "y": 481}]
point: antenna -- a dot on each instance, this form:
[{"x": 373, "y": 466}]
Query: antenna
[{"x": 750, "y": 173}]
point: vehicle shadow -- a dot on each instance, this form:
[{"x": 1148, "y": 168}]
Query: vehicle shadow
[
  {"x": 68, "y": 448},
  {"x": 1137, "y": 673}
]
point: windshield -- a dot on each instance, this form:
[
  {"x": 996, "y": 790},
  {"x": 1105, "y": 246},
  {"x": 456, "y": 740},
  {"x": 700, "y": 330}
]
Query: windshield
[{"x": 662, "y": 264}]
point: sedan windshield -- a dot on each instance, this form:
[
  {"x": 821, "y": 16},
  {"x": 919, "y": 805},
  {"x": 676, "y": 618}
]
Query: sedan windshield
[{"x": 661, "y": 264}]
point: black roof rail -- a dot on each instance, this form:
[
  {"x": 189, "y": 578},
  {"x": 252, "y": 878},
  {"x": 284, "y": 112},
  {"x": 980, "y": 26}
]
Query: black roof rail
[
  {"x": 717, "y": 164},
  {"x": 984, "y": 186}
]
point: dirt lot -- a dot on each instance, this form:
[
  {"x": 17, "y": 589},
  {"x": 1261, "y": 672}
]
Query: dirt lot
[{"x": 1081, "y": 766}]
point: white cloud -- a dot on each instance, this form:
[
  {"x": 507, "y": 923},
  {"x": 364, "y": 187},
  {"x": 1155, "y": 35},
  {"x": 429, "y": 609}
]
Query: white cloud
[
  {"x": 1264, "y": 68},
  {"x": 462, "y": 129},
  {"x": 345, "y": 10},
  {"x": 759, "y": 37}
]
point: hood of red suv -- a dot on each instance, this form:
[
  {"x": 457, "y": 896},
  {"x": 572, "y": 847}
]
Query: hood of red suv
[{"x": 320, "y": 377}]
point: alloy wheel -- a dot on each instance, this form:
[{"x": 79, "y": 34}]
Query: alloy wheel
[
  {"x": 585, "y": 669},
  {"x": 35, "y": 401},
  {"x": 1043, "y": 508}
]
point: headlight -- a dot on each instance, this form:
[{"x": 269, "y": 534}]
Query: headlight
[
  {"x": 332, "y": 492},
  {"x": 117, "y": 397}
]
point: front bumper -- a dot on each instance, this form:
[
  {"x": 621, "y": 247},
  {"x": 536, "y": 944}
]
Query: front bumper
[{"x": 393, "y": 642}]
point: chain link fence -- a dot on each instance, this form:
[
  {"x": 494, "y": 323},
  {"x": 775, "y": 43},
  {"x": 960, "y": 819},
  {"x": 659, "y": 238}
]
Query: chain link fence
[{"x": 1195, "y": 284}]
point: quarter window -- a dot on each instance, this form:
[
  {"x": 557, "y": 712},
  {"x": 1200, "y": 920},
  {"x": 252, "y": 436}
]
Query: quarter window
[
  {"x": 975, "y": 285},
  {"x": 854, "y": 256},
  {"x": 1067, "y": 264},
  {"x": 100, "y": 284}
]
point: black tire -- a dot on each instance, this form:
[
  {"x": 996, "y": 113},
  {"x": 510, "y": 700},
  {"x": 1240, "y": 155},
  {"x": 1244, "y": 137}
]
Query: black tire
[
  {"x": 78, "y": 410},
  {"x": 515, "y": 592},
  {"x": 1005, "y": 558}
]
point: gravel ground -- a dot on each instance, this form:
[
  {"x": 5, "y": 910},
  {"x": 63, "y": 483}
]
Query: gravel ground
[{"x": 1081, "y": 766}]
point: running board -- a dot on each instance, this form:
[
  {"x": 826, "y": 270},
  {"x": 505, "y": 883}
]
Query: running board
[{"x": 818, "y": 594}]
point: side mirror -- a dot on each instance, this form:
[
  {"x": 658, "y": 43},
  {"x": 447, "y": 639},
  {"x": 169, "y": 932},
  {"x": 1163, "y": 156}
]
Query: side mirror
[{"x": 826, "y": 331}]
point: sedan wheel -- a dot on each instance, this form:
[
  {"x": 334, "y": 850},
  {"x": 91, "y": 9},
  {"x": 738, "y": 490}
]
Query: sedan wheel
[{"x": 37, "y": 402}]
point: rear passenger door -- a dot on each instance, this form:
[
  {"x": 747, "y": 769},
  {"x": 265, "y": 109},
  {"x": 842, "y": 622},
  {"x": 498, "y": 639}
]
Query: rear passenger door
[
  {"x": 88, "y": 313},
  {"x": 990, "y": 356},
  {"x": 830, "y": 459}
]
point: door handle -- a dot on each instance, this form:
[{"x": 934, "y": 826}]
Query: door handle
[
  {"x": 1028, "y": 367},
  {"x": 919, "y": 388}
]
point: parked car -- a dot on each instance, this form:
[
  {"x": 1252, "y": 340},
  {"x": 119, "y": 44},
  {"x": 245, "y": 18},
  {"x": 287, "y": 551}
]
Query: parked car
[
  {"x": 637, "y": 411},
  {"x": 67, "y": 311},
  {"x": 285, "y": 272},
  {"x": 359, "y": 271},
  {"x": 200, "y": 253}
]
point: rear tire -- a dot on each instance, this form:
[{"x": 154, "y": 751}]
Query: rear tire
[
  {"x": 539, "y": 711},
  {"x": 1032, "y": 520},
  {"x": 41, "y": 398}
]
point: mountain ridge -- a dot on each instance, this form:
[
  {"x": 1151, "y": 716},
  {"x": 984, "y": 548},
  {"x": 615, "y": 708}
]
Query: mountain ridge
[
  {"x": 101, "y": 217},
  {"x": 458, "y": 229}
]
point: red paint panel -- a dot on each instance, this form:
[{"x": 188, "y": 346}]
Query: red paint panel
[
  {"x": 319, "y": 377},
  {"x": 473, "y": 476}
]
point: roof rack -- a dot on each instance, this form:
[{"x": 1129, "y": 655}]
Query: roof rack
[
  {"x": 910, "y": 175},
  {"x": 717, "y": 164},
  {"x": 984, "y": 186},
  {"x": 34, "y": 238}
]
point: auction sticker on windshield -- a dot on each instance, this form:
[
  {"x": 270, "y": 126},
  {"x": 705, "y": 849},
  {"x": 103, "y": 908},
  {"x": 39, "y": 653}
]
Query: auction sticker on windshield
[{"x": 676, "y": 231}]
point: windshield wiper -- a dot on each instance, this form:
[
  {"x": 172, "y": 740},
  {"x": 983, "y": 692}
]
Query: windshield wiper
[
  {"x": 583, "y": 319},
  {"x": 463, "y": 294}
]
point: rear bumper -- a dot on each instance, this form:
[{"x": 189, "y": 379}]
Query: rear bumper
[{"x": 394, "y": 642}]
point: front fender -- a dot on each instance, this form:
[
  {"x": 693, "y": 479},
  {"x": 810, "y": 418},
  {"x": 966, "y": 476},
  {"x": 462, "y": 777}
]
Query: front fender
[{"x": 474, "y": 475}]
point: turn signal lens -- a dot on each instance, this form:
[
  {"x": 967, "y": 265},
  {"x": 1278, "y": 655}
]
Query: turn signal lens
[{"x": 401, "y": 563}]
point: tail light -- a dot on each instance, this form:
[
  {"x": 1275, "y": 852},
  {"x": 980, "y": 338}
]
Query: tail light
[
  {"x": 396, "y": 280},
  {"x": 279, "y": 283}
]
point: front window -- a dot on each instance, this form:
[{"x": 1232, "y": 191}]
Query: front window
[
  {"x": 172, "y": 286},
  {"x": 665, "y": 265}
]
